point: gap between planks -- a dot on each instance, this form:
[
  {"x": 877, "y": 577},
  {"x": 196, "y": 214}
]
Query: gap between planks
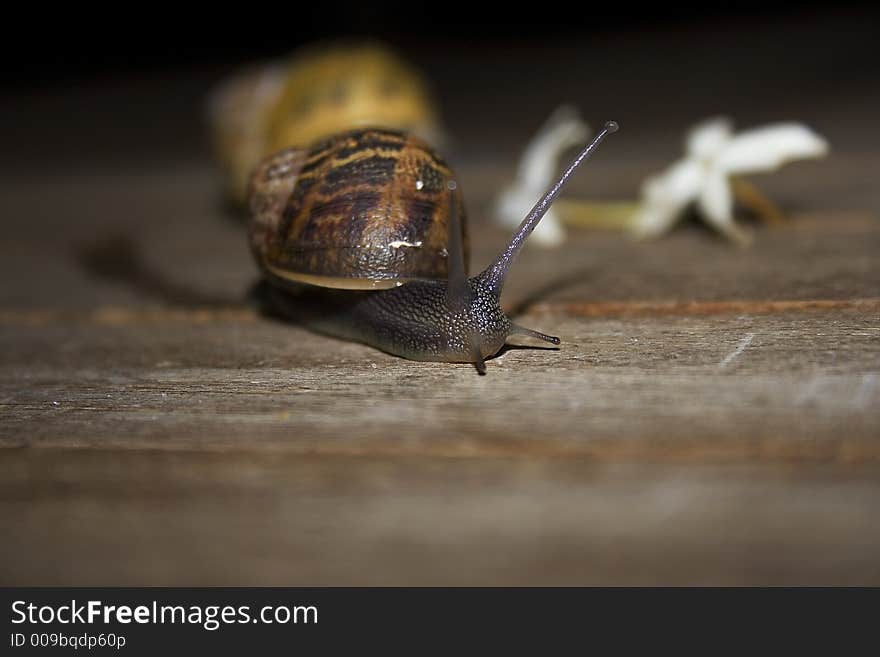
[{"x": 111, "y": 316}]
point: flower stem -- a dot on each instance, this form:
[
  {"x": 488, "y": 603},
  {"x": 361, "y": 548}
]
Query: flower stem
[
  {"x": 751, "y": 197},
  {"x": 603, "y": 215}
]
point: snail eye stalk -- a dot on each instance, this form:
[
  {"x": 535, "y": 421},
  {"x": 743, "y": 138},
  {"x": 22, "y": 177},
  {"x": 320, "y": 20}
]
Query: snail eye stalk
[
  {"x": 493, "y": 276},
  {"x": 457, "y": 285}
]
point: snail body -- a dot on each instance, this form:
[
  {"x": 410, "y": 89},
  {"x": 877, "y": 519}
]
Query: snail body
[{"x": 363, "y": 237}]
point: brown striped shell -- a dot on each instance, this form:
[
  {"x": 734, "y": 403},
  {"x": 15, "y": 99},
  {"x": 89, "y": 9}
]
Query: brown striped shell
[
  {"x": 365, "y": 209},
  {"x": 319, "y": 90}
]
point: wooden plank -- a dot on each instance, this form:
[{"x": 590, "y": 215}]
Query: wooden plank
[
  {"x": 245, "y": 517},
  {"x": 712, "y": 387}
]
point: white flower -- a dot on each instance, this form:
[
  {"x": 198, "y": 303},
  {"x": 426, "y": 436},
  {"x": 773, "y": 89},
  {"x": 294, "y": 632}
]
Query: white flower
[
  {"x": 713, "y": 155},
  {"x": 537, "y": 170}
]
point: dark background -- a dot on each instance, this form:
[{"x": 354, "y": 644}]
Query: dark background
[
  {"x": 127, "y": 87},
  {"x": 55, "y": 46}
]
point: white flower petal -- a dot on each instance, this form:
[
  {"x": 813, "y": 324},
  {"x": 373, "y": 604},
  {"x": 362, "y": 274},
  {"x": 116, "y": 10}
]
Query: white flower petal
[
  {"x": 707, "y": 139},
  {"x": 716, "y": 201},
  {"x": 540, "y": 161},
  {"x": 768, "y": 148},
  {"x": 716, "y": 206},
  {"x": 549, "y": 232},
  {"x": 509, "y": 206},
  {"x": 654, "y": 220},
  {"x": 512, "y": 206},
  {"x": 538, "y": 168},
  {"x": 665, "y": 196},
  {"x": 677, "y": 185}
]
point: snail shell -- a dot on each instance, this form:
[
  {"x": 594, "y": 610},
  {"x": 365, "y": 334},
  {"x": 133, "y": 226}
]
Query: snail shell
[
  {"x": 329, "y": 89},
  {"x": 319, "y": 91},
  {"x": 365, "y": 209},
  {"x": 369, "y": 209}
]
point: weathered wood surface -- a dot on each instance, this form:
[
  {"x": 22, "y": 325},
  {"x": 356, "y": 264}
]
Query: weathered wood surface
[
  {"x": 710, "y": 417},
  {"x": 268, "y": 517}
]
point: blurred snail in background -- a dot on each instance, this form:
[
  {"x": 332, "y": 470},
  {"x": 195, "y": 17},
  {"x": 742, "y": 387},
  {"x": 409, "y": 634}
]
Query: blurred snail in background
[
  {"x": 362, "y": 237},
  {"x": 318, "y": 92}
]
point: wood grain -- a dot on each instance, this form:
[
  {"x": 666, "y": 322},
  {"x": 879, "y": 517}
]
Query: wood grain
[
  {"x": 180, "y": 517},
  {"x": 711, "y": 416}
]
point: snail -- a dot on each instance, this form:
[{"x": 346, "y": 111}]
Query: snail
[
  {"x": 362, "y": 238},
  {"x": 318, "y": 91}
]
